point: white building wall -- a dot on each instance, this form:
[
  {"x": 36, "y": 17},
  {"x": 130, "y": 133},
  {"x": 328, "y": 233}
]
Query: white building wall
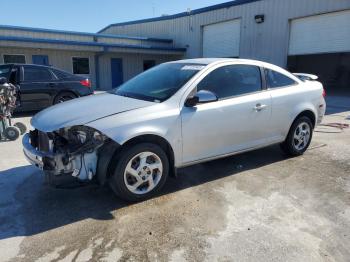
[{"x": 267, "y": 41}]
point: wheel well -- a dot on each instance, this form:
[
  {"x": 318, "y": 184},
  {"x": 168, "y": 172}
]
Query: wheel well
[
  {"x": 308, "y": 114},
  {"x": 160, "y": 141},
  {"x": 62, "y": 92}
]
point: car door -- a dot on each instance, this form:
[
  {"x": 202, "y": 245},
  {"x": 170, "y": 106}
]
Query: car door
[
  {"x": 239, "y": 120},
  {"x": 36, "y": 87}
]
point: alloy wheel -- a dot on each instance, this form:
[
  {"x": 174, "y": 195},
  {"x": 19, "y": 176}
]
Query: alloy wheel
[
  {"x": 143, "y": 173},
  {"x": 301, "y": 136}
]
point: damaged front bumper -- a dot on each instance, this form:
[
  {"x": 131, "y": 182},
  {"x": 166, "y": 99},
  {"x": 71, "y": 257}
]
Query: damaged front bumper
[
  {"x": 42, "y": 160},
  {"x": 62, "y": 153}
]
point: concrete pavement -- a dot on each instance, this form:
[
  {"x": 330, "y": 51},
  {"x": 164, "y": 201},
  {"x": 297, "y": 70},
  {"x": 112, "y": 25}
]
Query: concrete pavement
[{"x": 258, "y": 206}]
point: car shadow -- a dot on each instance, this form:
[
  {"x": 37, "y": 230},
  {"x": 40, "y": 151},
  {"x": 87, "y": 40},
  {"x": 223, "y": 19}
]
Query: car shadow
[{"x": 39, "y": 208}]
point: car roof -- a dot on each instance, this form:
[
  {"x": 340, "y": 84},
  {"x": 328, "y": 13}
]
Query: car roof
[
  {"x": 208, "y": 61},
  {"x": 21, "y": 64},
  {"x": 42, "y": 66},
  {"x": 215, "y": 61}
]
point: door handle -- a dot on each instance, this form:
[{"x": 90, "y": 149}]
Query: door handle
[{"x": 259, "y": 107}]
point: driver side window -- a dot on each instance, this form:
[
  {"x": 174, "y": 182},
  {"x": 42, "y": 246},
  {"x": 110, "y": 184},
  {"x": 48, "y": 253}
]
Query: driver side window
[{"x": 232, "y": 80}]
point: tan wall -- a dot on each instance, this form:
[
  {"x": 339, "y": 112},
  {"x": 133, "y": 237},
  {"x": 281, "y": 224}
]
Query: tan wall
[
  {"x": 132, "y": 65},
  {"x": 57, "y": 58},
  {"x": 62, "y": 59}
]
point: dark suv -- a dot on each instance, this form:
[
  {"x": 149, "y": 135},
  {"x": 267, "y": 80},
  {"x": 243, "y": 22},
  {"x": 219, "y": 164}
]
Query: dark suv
[{"x": 43, "y": 86}]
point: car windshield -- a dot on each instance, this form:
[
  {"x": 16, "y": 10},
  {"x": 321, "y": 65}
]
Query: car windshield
[
  {"x": 5, "y": 71},
  {"x": 159, "y": 83}
]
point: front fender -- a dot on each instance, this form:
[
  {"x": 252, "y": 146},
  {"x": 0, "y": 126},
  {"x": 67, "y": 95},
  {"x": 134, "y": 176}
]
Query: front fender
[{"x": 122, "y": 128}]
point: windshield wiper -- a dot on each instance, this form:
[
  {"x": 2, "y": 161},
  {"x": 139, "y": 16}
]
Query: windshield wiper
[
  {"x": 125, "y": 95},
  {"x": 139, "y": 96}
]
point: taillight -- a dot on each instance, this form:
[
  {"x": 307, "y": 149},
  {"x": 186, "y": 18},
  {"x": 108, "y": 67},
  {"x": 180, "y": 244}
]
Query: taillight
[
  {"x": 86, "y": 82},
  {"x": 324, "y": 93}
]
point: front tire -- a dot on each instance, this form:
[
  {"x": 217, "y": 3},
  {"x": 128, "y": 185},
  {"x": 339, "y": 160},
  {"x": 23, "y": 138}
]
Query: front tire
[
  {"x": 140, "y": 172},
  {"x": 299, "y": 137}
]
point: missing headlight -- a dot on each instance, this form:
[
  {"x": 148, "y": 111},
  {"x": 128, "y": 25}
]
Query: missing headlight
[
  {"x": 76, "y": 151},
  {"x": 78, "y": 140}
]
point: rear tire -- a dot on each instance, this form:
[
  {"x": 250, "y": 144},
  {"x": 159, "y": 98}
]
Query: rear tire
[
  {"x": 299, "y": 137},
  {"x": 12, "y": 133},
  {"x": 140, "y": 172},
  {"x": 63, "y": 97}
]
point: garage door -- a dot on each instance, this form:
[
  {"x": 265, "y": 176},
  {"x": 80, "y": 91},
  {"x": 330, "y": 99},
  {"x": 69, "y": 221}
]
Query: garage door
[
  {"x": 222, "y": 39},
  {"x": 326, "y": 33}
]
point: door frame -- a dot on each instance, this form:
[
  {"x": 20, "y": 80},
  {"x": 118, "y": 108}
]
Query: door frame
[{"x": 192, "y": 88}]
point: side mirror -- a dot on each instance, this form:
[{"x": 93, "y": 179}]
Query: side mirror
[
  {"x": 3, "y": 80},
  {"x": 201, "y": 97}
]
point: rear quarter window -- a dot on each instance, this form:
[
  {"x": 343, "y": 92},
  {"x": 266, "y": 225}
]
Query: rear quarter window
[
  {"x": 61, "y": 74},
  {"x": 276, "y": 80}
]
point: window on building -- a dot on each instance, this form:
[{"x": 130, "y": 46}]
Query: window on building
[
  {"x": 232, "y": 80},
  {"x": 36, "y": 74},
  {"x": 81, "y": 65},
  {"x": 148, "y": 64},
  {"x": 275, "y": 79},
  {"x": 19, "y": 59}
]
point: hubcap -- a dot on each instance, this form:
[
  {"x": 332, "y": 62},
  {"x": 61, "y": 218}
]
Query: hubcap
[
  {"x": 143, "y": 173},
  {"x": 301, "y": 136},
  {"x": 11, "y": 133}
]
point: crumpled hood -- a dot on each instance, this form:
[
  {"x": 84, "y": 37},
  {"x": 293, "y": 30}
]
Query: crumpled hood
[{"x": 84, "y": 110}]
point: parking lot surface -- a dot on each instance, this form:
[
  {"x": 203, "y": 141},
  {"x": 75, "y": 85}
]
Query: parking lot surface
[{"x": 258, "y": 206}]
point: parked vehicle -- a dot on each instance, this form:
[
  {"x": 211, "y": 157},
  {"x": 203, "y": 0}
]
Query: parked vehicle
[
  {"x": 42, "y": 86},
  {"x": 174, "y": 115}
]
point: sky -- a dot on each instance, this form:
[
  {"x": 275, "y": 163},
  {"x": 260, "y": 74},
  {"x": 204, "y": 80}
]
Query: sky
[{"x": 89, "y": 15}]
